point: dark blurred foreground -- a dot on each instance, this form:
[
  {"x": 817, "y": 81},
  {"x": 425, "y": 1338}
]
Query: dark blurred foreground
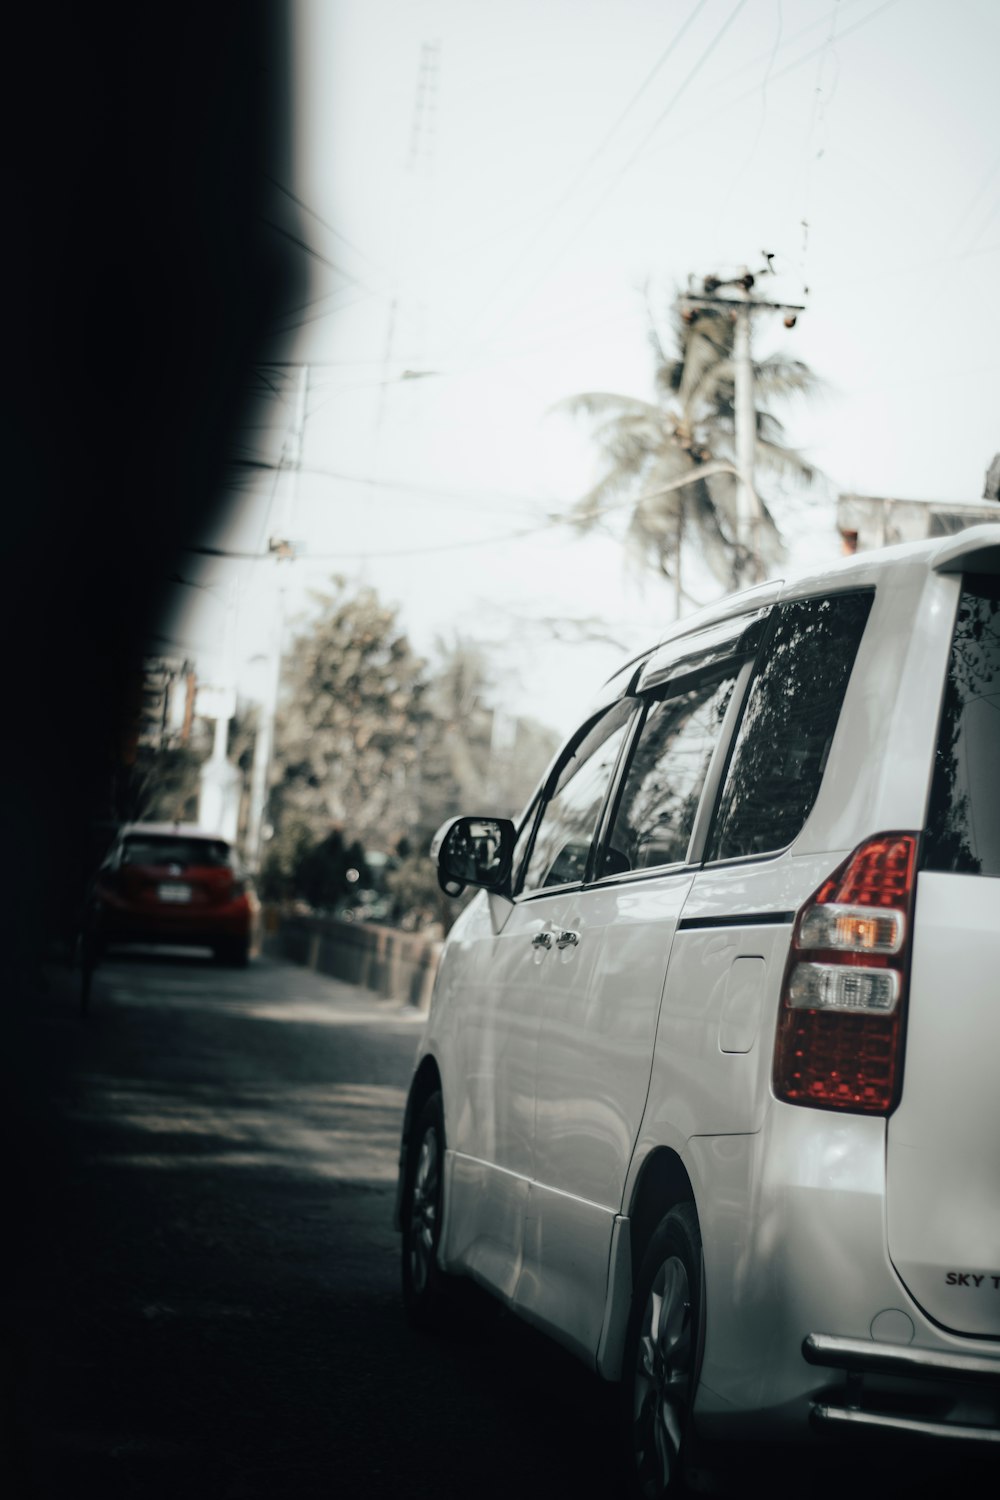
[
  {"x": 208, "y": 1305},
  {"x": 146, "y": 257}
]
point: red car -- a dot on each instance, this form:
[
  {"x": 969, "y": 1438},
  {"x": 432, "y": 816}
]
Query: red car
[{"x": 173, "y": 883}]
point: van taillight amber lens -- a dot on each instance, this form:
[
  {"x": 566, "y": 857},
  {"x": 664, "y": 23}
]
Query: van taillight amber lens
[{"x": 838, "y": 1044}]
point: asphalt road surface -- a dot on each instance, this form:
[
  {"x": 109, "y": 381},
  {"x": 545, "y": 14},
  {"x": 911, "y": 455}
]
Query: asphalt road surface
[{"x": 205, "y": 1302}]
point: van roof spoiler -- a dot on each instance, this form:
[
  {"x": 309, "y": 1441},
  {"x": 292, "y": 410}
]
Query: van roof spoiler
[{"x": 976, "y": 550}]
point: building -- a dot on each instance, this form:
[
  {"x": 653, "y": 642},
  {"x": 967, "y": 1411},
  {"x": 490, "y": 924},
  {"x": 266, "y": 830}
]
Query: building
[
  {"x": 866, "y": 521},
  {"x": 167, "y": 702}
]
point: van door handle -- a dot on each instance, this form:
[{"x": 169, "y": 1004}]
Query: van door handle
[
  {"x": 542, "y": 940},
  {"x": 567, "y": 939}
]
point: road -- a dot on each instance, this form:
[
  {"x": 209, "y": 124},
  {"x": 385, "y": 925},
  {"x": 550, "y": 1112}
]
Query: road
[{"x": 205, "y": 1303}]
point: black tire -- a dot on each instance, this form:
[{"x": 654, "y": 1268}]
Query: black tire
[
  {"x": 662, "y": 1356},
  {"x": 426, "y": 1288},
  {"x": 89, "y": 953},
  {"x": 234, "y": 953}
]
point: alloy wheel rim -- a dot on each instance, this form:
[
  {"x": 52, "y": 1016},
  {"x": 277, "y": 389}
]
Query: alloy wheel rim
[
  {"x": 423, "y": 1211},
  {"x": 662, "y": 1377}
]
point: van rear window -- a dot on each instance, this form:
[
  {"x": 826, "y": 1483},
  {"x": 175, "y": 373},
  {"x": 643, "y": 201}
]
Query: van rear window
[{"x": 963, "y": 821}]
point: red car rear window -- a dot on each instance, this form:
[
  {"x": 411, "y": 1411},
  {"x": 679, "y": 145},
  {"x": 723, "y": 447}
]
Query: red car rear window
[{"x": 186, "y": 852}]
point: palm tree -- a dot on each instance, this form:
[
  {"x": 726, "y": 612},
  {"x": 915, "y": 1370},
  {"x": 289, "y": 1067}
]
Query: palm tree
[{"x": 690, "y": 427}]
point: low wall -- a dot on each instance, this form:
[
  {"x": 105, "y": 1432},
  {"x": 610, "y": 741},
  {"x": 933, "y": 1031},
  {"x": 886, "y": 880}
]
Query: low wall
[{"x": 395, "y": 965}]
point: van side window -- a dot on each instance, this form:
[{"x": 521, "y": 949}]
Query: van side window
[
  {"x": 788, "y": 725},
  {"x": 569, "y": 818},
  {"x": 963, "y": 823},
  {"x": 656, "y": 813}
]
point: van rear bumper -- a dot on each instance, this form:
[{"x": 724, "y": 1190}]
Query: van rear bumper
[{"x": 956, "y": 1395}]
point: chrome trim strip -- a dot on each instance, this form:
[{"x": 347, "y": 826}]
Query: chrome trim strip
[
  {"x": 839, "y": 1416},
  {"x": 867, "y": 1357}
]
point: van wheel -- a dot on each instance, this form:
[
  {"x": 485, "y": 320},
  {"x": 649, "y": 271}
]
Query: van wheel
[
  {"x": 661, "y": 1355},
  {"x": 425, "y": 1285}
]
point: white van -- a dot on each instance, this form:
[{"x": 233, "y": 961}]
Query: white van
[{"x": 710, "y": 1085}]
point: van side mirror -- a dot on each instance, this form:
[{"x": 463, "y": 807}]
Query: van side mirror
[{"x": 473, "y": 851}]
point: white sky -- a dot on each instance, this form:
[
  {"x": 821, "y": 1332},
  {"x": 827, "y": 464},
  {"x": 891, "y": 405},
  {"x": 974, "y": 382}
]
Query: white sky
[{"x": 496, "y": 224}]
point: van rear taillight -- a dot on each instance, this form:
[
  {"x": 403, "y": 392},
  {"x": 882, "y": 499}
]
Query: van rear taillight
[{"x": 840, "y": 1026}]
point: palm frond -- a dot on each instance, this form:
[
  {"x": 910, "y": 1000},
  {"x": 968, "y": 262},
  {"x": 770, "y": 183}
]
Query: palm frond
[
  {"x": 668, "y": 376},
  {"x": 783, "y": 462},
  {"x": 777, "y": 376},
  {"x": 716, "y": 386},
  {"x": 660, "y": 355},
  {"x": 770, "y": 429},
  {"x": 649, "y": 445},
  {"x": 602, "y": 403},
  {"x": 701, "y": 355},
  {"x": 603, "y": 496}
]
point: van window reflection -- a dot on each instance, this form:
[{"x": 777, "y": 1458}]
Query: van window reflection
[{"x": 788, "y": 725}]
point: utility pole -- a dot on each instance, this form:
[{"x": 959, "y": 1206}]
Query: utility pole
[
  {"x": 742, "y": 307},
  {"x": 410, "y": 237},
  {"x": 747, "y": 510},
  {"x": 218, "y": 779},
  {"x": 282, "y": 550}
]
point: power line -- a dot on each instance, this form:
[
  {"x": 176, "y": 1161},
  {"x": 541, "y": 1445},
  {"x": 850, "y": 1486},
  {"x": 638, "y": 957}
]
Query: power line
[
  {"x": 790, "y": 67},
  {"x": 403, "y": 486},
  {"x": 327, "y": 312},
  {"x": 506, "y": 223},
  {"x": 744, "y": 166},
  {"x": 324, "y": 557},
  {"x": 407, "y": 377},
  {"x": 985, "y": 223},
  {"x": 916, "y": 265},
  {"x": 585, "y": 167},
  {"x": 642, "y": 147},
  {"x": 739, "y": 98},
  {"x": 296, "y": 239},
  {"x": 317, "y": 302},
  {"x": 977, "y": 195},
  {"x": 582, "y": 171},
  {"x": 558, "y": 336},
  {"x": 188, "y": 583},
  {"x": 289, "y": 327},
  {"x": 615, "y": 181},
  {"x": 320, "y": 220},
  {"x": 815, "y": 113}
]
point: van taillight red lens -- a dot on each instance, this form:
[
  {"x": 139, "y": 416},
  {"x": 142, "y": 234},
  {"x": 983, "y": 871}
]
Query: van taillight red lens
[
  {"x": 840, "y": 1023},
  {"x": 880, "y": 873}
]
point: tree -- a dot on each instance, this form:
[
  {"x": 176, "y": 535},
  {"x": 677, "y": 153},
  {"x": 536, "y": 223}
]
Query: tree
[
  {"x": 162, "y": 786},
  {"x": 477, "y": 758},
  {"x": 330, "y": 871},
  {"x": 348, "y": 732},
  {"x": 690, "y": 424},
  {"x": 455, "y": 766},
  {"x": 373, "y": 752},
  {"x": 473, "y": 759}
]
